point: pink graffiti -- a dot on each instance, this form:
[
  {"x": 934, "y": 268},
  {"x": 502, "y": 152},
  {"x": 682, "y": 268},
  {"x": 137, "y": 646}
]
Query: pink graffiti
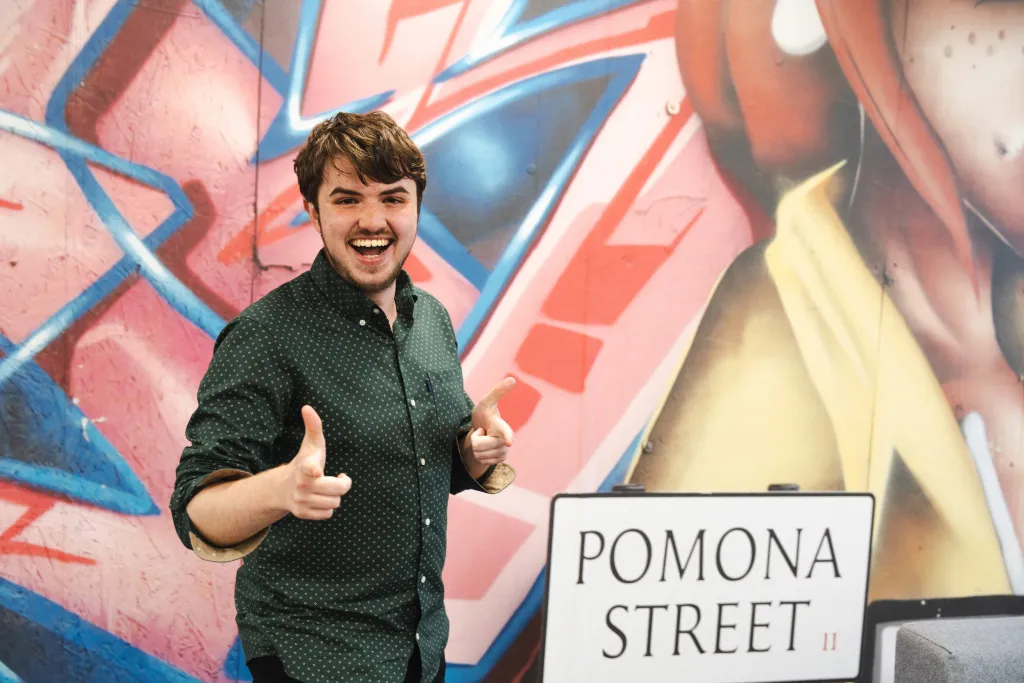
[{"x": 643, "y": 215}]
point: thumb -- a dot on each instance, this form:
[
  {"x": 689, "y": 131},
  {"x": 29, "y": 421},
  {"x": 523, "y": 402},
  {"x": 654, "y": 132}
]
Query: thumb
[
  {"x": 313, "y": 465},
  {"x": 314, "y": 428},
  {"x": 313, "y": 450},
  {"x": 474, "y": 433}
]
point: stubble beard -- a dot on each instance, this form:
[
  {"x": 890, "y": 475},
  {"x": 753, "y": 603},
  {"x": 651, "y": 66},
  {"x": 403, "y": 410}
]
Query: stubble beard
[{"x": 365, "y": 287}]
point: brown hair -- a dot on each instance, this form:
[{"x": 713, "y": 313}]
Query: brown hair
[{"x": 376, "y": 146}]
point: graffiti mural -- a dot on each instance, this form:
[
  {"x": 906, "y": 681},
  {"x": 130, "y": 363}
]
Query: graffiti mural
[
  {"x": 718, "y": 250},
  {"x": 870, "y": 342},
  {"x": 148, "y": 197}
]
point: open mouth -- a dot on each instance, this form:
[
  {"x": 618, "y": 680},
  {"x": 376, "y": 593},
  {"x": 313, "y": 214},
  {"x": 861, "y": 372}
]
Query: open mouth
[{"x": 371, "y": 250}]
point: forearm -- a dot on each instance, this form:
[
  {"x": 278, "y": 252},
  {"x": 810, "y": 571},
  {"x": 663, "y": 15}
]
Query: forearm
[{"x": 228, "y": 513}]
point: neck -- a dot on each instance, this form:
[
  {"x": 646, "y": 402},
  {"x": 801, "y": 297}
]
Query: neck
[{"x": 385, "y": 300}]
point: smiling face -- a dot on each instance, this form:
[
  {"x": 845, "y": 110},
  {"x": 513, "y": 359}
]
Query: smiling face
[
  {"x": 964, "y": 61},
  {"x": 368, "y": 229}
]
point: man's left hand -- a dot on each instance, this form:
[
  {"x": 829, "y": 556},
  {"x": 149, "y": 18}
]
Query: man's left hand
[{"x": 489, "y": 439}]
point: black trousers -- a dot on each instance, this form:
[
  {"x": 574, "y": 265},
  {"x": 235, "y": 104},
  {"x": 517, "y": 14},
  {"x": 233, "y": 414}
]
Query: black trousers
[{"x": 270, "y": 670}]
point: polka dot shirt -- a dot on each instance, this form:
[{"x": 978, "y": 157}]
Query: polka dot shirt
[{"x": 349, "y": 598}]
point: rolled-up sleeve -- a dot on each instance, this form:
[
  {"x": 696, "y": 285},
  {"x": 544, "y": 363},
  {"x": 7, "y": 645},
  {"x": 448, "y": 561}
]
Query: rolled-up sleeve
[{"x": 242, "y": 402}]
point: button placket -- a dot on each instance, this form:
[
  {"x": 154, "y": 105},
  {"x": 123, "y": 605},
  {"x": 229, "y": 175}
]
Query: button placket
[{"x": 416, "y": 420}]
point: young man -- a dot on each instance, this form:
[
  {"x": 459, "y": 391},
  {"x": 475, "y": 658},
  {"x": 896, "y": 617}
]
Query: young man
[{"x": 332, "y": 425}]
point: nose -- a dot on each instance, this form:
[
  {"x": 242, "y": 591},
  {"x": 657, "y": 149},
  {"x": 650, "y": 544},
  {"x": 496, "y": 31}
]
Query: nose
[{"x": 372, "y": 218}]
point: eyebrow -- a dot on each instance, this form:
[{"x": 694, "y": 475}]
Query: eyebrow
[{"x": 354, "y": 193}]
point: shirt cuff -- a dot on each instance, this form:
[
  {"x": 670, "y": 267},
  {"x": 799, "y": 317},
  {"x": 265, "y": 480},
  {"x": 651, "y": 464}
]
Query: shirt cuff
[
  {"x": 212, "y": 553},
  {"x": 499, "y": 479},
  {"x": 483, "y": 477}
]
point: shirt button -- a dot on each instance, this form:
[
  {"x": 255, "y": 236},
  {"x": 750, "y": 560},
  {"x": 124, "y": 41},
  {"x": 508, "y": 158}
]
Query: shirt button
[
  {"x": 423, "y": 579},
  {"x": 427, "y": 521},
  {"x": 412, "y": 402},
  {"x": 362, "y": 322},
  {"x": 376, "y": 310},
  {"x": 423, "y": 461},
  {"x": 417, "y": 636}
]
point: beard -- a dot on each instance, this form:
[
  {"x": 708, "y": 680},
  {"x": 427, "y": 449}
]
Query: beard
[{"x": 372, "y": 279}]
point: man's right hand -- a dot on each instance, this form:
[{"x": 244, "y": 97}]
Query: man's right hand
[{"x": 307, "y": 493}]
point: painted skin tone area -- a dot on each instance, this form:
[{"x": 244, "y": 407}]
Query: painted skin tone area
[{"x": 964, "y": 61}]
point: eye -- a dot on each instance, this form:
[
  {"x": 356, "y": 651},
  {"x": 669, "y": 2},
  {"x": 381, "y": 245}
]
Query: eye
[
  {"x": 394, "y": 200},
  {"x": 346, "y": 200}
]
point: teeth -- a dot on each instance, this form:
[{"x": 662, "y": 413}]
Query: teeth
[{"x": 369, "y": 243}]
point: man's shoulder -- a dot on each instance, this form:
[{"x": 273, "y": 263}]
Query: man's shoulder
[
  {"x": 277, "y": 313},
  {"x": 282, "y": 304},
  {"x": 428, "y": 301}
]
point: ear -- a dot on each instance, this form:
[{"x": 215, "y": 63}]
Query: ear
[{"x": 313, "y": 215}]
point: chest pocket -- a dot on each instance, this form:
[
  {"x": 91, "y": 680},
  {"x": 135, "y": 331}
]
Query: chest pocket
[{"x": 449, "y": 399}]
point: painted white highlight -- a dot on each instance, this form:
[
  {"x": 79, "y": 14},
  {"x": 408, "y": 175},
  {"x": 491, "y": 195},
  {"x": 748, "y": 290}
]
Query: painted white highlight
[
  {"x": 797, "y": 27},
  {"x": 976, "y": 437},
  {"x": 8, "y": 676}
]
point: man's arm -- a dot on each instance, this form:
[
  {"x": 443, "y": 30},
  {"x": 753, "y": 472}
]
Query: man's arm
[
  {"x": 493, "y": 479},
  {"x": 231, "y": 512},
  {"x": 243, "y": 398},
  {"x": 468, "y": 474},
  {"x": 482, "y": 446}
]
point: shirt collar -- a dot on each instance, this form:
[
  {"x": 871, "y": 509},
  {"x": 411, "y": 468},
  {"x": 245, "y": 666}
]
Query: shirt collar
[{"x": 349, "y": 299}]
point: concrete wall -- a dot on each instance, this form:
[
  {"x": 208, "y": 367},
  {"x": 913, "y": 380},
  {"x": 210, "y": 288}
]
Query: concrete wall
[{"x": 721, "y": 245}]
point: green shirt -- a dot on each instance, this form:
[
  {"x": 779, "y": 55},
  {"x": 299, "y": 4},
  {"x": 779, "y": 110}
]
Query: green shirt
[{"x": 346, "y": 598}]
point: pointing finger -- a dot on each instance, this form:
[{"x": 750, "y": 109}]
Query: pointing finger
[
  {"x": 333, "y": 486},
  {"x": 322, "y": 502},
  {"x": 496, "y": 394},
  {"x": 500, "y": 429}
]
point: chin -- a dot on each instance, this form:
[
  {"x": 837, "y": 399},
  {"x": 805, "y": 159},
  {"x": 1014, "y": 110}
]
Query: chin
[{"x": 374, "y": 283}]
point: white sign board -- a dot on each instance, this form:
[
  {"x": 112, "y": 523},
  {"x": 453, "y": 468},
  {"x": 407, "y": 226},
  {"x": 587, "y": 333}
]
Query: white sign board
[{"x": 706, "y": 588}]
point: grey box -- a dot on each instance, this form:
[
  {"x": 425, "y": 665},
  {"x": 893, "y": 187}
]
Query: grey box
[{"x": 967, "y": 650}]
